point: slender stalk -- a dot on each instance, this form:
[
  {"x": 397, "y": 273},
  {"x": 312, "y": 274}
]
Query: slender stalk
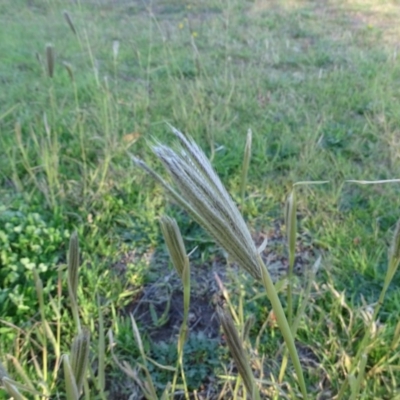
[
  {"x": 58, "y": 323},
  {"x": 39, "y": 292},
  {"x": 356, "y": 384},
  {"x": 101, "y": 380},
  {"x": 300, "y": 313},
  {"x": 283, "y": 325}
]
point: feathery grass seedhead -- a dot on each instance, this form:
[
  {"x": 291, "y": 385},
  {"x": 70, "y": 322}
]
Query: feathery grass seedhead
[
  {"x": 69, "y": 21},
  {"x": 73, "y": 266},
  {"x": 180, "y": 259},
  {"x": 174, "y": 241},
  {"x": 80, "y": 357},
  {"x": 50, "y": 58},
  {"x": 73, "y": 277},
  {"x": 237, "y": 350},
  {"x": 203, "y": 195},
  {"x": 70, "y": 382}
]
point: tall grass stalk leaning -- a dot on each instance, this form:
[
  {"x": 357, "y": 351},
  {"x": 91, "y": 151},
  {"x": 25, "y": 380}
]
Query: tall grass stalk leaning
[{"x": 203, "y": 195}]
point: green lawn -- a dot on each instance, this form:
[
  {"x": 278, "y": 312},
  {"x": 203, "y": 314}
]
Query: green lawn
[{"x": 318, "y": 84}]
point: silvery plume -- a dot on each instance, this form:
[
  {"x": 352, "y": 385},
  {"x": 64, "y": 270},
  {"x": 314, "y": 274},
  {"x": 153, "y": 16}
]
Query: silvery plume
[{"x": 202, "y": 194}]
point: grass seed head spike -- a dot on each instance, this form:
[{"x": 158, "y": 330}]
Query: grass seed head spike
[
  {"x": 50, "y": 58},
  {"x": 236, "y": 348},
  {"x": 175, "y": 245},
  {"x": 80, "y": 357},
  {"x": 69, "y": 21},
  {"x": 196, "y": 158},
  {"x": 71, "y": 388},
  {"x": 73, "y": 265}
]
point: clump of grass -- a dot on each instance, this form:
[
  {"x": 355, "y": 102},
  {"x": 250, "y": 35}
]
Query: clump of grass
[
  {"x": 203, "y": 195},
  {"x": 75, "y": 365},
  {"x": 49, "y": 343},
  {"x": 146, "y": 384},
  {"x": 236, "y": 348},
  {"x": 213, "y": 99},
  {"x": 73, "y": 277},
  {"x": 358, "y": 364}
]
